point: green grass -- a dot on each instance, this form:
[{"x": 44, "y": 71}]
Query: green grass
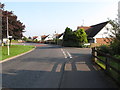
[
  {"x": 117, "y": 56},
  {"x": 114, "y": 64},
  {"x": 14, "y": 41},
  {"x": 14, "y": 50},
  {"x": 101, "y": 64},
  {"x": 111, "y": 62}
]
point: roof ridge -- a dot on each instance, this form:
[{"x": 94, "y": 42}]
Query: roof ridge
[{"x": 100, "y": 23}]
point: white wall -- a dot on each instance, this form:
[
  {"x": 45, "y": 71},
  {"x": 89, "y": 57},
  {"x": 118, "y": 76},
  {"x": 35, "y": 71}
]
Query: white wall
[
  {"x": 50, "y": 37},
  {"x": 39, "y": 38},
  {"x": 61, "y": 37},
  {"x": 104, "y": 32}
]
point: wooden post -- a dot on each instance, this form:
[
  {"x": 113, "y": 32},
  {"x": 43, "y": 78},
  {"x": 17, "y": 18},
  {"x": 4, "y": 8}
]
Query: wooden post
[
  {"x": 95, "y": 53},
  {"x": 106, "y": 65}
]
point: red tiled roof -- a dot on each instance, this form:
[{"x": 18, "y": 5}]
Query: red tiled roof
[
  {"x": 83, "y": 27},
  {"x": 34, "y": 37},
  {"x": 59, "y": 35},
  {"x": 44, "y": 36}
]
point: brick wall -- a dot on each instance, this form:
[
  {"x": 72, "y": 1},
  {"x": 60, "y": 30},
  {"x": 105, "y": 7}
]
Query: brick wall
[{"x": 102, "y": 40}]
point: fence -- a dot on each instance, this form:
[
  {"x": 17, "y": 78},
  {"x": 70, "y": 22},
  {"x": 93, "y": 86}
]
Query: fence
[{"x": 109, "y": 64}]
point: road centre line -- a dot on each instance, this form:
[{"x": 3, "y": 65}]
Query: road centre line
[
  {"x": 67, "y": 53},
  {"x": 64, "y": 53}
]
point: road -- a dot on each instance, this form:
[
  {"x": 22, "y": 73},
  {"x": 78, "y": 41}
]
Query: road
[{"x": 51, "y": 66}]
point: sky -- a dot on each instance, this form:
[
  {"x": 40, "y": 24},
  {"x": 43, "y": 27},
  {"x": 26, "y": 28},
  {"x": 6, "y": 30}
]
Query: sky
[{"x": 43, "y": 17}]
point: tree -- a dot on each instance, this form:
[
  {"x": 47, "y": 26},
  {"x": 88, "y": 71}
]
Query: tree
[
  {"x": 68, "y": 37},
  {"x": 115, "y": 44},
  {"x": 68, "y": 34},
  {"x": 74, "y": 38},
  {"x": 24, "y": 38},
  {"x": 1, "y": 8},
  {"x": 29, "y": 37},
  {"x": 15, "y": 27},
  {"x": 81, "y": 36}
]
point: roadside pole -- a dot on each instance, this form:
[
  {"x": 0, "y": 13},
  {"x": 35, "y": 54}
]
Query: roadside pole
[{"x": 8, "y": 38}]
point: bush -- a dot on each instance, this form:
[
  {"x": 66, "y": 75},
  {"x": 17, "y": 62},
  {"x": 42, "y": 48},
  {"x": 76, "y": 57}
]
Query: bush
[
  {"x": 73, "y": 44},
  {"x": 74, "y": 38},
  {"x": 115, "y": 48},
  {"x": 104, "y": 48}
]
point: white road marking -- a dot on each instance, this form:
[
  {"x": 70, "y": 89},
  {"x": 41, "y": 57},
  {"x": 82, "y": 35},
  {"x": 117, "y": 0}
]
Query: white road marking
[
  {"x": 69, "y": 54},
  {"x": 82, "y": 67},
  {"x": 64, "y": 53},
  {"x": 58, "y": 67},
  {"x": 68, "y": 67}
]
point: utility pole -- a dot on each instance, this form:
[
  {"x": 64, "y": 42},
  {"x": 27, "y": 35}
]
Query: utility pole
[
  {"x": 8, "y": 38},
  {"x": 56, "y": 37},
  {"x": 8, "y": 43}
]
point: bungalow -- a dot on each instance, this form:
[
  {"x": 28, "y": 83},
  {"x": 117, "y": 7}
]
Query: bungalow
[
  {"x": 59, "y": 36},
  {"x": 98, "y": 33},
  {"x": 37, "y": 38},
  {"x": 44, "y": 37}
]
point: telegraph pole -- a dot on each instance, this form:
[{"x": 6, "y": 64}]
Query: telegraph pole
[{"x": 8, "y": 38}]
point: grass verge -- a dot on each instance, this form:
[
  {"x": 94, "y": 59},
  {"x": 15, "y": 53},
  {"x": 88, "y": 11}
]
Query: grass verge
[
  {"x": 14, "y": 50},
  {"x": 111, "y": 72},
  {"x": 14, "y": 41}
]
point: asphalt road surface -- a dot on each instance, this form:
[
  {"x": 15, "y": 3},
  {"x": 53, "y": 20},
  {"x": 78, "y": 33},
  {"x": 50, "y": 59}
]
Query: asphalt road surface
[{"x": 51, "y": 66}]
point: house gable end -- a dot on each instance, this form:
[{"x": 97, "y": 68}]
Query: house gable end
[
  {"x": 104, "y": 32},
  {"x": 91, "y": 32}
]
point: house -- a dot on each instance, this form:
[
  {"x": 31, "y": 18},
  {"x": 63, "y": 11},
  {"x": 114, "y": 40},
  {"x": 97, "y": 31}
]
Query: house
[
  {"x": 44, "y": 37},
  {"x": 38, "y": 38},
  {"x": 59, "y": 36},
  {"x": 98, "y": 33}
]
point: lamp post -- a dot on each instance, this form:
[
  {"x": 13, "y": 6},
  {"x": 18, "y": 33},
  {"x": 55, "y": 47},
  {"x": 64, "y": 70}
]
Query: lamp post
[
  {"x": 8, "y": 44},
  {"x": 56, "y": 41}
]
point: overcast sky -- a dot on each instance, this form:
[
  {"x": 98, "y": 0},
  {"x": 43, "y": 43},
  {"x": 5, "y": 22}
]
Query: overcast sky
[{"x": 47, "y": 16}]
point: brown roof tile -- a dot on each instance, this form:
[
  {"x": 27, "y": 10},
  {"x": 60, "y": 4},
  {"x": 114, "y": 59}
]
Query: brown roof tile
[{"x": 83, "y": 27}]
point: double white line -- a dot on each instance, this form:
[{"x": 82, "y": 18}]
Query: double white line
[{"x": 65, "y": 53}]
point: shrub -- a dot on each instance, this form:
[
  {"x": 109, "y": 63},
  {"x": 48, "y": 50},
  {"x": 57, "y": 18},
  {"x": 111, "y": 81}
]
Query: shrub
[
  {"x": 115, "y": 48},
  {"x": 104, "y": 48},
  {"x": 74, "y": 38}
]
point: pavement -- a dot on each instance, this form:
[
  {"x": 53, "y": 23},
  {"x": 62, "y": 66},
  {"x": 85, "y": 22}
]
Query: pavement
[{"x": 51, "y": 66}]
